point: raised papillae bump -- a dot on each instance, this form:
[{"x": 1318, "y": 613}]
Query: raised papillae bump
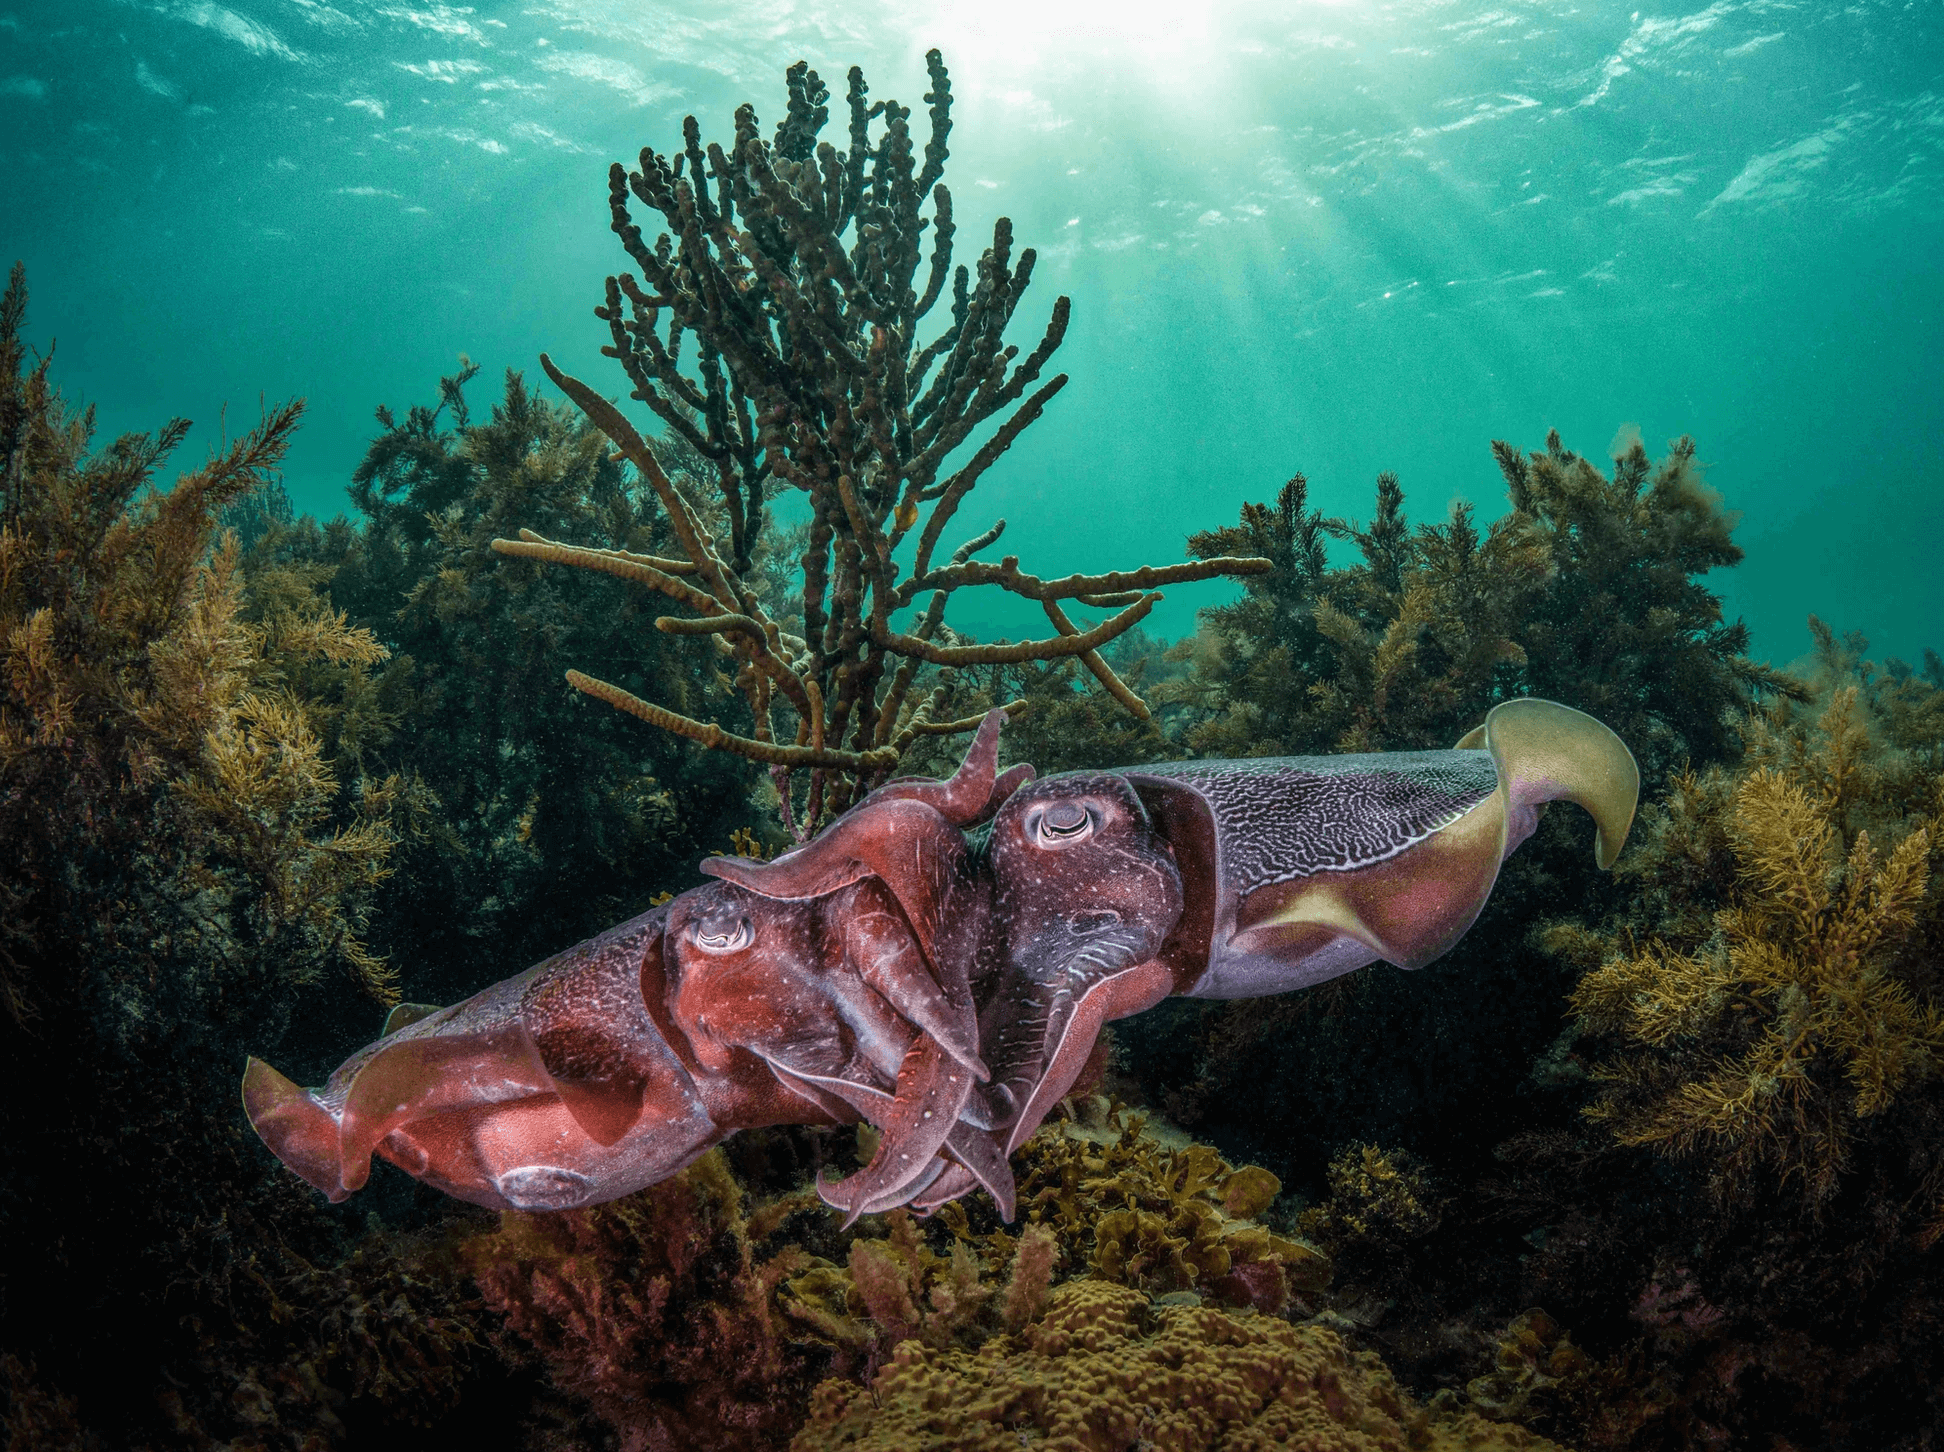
[{"x": 971, "y": 794}]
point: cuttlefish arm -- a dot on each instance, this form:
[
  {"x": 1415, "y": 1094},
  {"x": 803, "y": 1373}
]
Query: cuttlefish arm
[
  {"x": 907, "y": 910},
  {"x": 1087, "y": 895},
  {"x": 916, "y": 954},
  {"x": 970, "y": 1159},
  {"x": 1303, "y": 868}
]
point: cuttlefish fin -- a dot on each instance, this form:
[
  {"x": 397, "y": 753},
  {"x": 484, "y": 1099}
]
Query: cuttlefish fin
[
  {"x": 1548, "y": 752},
  {"x": 296, "y": 1128},
  {"x": 403, "y": 1015},
  {"x": 932, "y": 1089}
]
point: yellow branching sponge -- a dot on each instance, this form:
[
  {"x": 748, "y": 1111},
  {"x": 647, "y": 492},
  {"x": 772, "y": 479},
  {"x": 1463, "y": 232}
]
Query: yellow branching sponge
[{"x": 1104, "y": 1370}]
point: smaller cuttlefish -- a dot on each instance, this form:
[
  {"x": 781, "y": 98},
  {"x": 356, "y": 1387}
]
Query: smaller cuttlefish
[
  {"x": 950, "y": 994},
  {"x": 839, "y": 995}
]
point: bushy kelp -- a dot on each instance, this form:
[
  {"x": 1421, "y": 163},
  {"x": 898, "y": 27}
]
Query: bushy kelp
[
  {"x": 144, "y": 716},
  {"x": 535, "y": 817},
  {"x": 1740, "y": 1230},
  {"x": 1804, "y": 1013},
  {"x": 656, "y": 1310},
  {"x": 1585, "y": 592},
  {"x": 185, "y": 873}
]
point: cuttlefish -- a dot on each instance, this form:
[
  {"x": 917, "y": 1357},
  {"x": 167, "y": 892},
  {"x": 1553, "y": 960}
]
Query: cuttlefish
[
  {"x": 947, "y": 988},
  {"x": 838, "y": 995}
]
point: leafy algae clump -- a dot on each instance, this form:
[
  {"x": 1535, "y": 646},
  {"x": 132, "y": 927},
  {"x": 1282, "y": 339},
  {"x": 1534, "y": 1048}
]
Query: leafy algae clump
[
  {"x": 1800, "y": 1015},
  {"x": 1104, "y": 1369},
  {"x": 1162, "y": 1218},
  {"x": 1376, "y": 1195}
]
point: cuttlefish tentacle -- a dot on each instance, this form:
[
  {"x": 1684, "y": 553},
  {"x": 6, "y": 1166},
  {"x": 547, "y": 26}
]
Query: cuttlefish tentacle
[
  {"x": 916, "y": 853},
  {"x": 887, "y": 958}
]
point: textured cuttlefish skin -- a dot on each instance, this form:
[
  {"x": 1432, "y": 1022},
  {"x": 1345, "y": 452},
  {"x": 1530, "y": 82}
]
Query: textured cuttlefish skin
[
  {"x": 1239, "y": 879},
  {"x": 835, "y": 993},
  {"x": 888, "y": 971}
]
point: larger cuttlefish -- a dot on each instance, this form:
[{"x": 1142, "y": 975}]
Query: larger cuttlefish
[{"x": 1239, "y": 879}]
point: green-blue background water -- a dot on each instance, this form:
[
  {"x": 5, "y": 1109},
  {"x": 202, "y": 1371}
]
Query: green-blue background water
[{"x": 1333, "y": 237}]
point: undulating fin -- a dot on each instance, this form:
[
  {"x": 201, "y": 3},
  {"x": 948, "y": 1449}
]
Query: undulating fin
[
  {"x": 406, "y": 1014},
  {"x": 1547, "y": 752},
  {"x": 296, "y": 1128}
]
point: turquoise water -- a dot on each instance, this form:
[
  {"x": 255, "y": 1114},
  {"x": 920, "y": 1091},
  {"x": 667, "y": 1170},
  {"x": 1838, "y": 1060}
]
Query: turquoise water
[{"x": 1334, "y": 238}]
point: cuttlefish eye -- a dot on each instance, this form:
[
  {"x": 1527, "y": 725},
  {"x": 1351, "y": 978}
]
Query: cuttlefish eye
[
  {"x": 724, "y": 937},
  {"x": 1062, "y": 824}
]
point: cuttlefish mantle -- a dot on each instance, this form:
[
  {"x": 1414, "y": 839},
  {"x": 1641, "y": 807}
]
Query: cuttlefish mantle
[{"x": 1300, "y": 869}]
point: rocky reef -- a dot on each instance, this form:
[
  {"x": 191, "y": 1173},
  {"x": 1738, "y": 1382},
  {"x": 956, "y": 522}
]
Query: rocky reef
[{"x": 1139, "y": 1298}]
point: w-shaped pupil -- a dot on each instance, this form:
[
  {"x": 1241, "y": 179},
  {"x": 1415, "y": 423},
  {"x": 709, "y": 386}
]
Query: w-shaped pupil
[
  {"x": 725, "y": 939},
  {"x": 1064, "y": 819}
]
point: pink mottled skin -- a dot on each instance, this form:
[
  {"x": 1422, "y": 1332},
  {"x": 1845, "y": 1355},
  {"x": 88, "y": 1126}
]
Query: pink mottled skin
[{"x": 891, "y": 971}]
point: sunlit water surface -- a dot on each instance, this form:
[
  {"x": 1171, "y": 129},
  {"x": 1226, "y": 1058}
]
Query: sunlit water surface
[{"x": 1334, "y": 238}]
